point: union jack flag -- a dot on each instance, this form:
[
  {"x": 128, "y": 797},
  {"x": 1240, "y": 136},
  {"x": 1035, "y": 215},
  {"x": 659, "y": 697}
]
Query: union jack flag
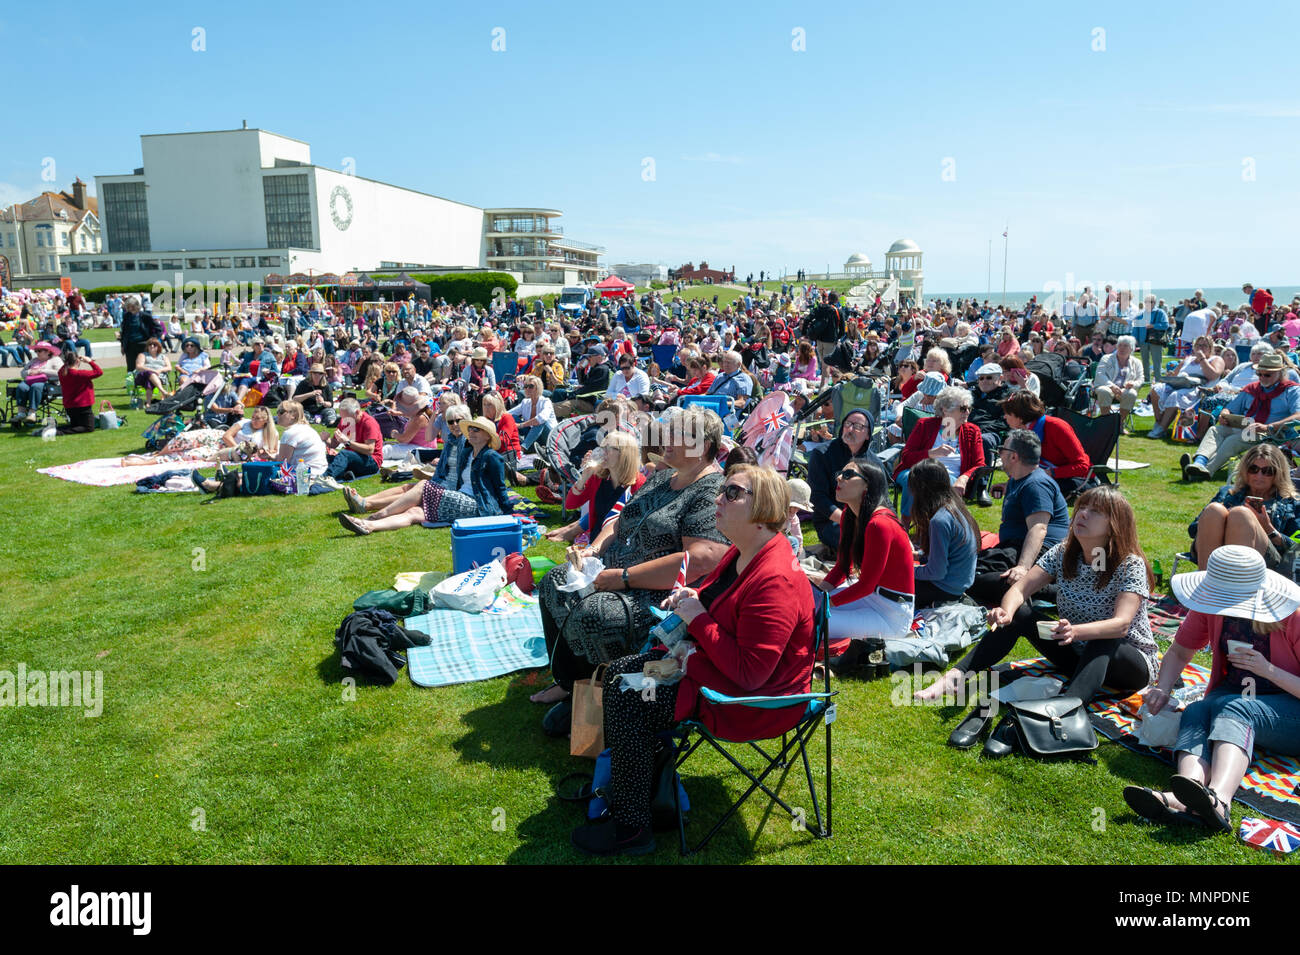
[
  {"x": 286, "y": 472},
  {"x": 681, "y": 574},
  {"x": 1281, "y": 837},
  {"x": 617, "y": 509},
  {"x": 776, "y": 419}
]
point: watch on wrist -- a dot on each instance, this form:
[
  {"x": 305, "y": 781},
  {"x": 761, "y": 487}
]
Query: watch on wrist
[{"x": 626, "y": 584}]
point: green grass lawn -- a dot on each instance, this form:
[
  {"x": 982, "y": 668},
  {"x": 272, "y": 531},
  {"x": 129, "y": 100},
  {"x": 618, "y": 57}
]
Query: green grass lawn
[{"x": 226, "y": 735}]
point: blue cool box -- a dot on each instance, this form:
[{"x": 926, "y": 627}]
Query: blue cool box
[
  {"x": 481, "y": 540},
  {"x": 258, "y": 475}
]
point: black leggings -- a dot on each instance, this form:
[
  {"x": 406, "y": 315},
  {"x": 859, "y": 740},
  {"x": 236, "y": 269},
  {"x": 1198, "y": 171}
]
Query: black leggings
[
  {"x": 927, "y": 595},
  {"x": 1113, "y": 663},
  {"x": 631, "y": 725},
  {"x": 80, "y": 421}
]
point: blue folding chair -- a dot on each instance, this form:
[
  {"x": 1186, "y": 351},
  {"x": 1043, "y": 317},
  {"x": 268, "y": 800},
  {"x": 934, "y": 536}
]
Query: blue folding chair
[
  {"x": 721, "y": 404},
  {"x": 663, "y": 355},
  {"x": 504, "y": 365},
  {"x": 818, "y": 710}
]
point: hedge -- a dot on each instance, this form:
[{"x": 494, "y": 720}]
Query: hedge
[
  {"x": 474, "y": 287},
  {"x": 101, "y": 293}
]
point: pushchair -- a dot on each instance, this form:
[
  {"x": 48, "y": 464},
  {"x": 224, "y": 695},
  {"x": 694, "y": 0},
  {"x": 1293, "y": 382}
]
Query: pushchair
[{"x": 1062, "y": 384}]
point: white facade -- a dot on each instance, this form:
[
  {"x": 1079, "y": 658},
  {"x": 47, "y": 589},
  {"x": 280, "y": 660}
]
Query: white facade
[
  {"x": 36, "y": 235},
  {"x": 641, "y": 275}
]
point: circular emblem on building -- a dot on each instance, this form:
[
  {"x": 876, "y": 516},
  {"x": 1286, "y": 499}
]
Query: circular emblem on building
[{"x": 341, "y": 208}]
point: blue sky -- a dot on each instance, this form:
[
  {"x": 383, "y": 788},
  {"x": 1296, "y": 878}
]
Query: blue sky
[{"x": 1122, "y": 164}]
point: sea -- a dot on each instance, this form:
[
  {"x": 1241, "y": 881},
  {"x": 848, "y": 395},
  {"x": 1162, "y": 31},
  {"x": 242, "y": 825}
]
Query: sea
[{"x": 1053, "y": 294}]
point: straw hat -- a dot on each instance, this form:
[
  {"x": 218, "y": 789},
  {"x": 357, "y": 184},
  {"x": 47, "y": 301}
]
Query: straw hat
[
  {"x": 479, "y": 353},
  {"x": 1235, "y": 583},
  {"x": 483, "y": 424},
  {"x": 1270, "y": 362},
  {"x": 800, "y": 495},
  {"x": 316, "y": 368}
]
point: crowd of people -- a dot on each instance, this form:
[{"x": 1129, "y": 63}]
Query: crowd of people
[{"x": 686, "y": 515}]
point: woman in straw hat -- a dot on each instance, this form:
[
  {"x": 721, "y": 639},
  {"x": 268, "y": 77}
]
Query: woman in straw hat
[
  {"x": 1246, "y": 613},
  {"x": 480, "y": 482}
]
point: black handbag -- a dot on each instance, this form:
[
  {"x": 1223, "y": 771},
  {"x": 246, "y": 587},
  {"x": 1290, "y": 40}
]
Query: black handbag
[{"x": 1057, "y": 727}]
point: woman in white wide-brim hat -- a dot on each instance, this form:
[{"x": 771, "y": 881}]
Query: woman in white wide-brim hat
[{"x": 1246, "y": 613}]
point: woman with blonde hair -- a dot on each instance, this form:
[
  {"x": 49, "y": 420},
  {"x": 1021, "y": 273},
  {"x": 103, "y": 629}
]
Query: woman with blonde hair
[
  {"x": 1259, "y": 509},
  {"x": 535, "y": 415}
]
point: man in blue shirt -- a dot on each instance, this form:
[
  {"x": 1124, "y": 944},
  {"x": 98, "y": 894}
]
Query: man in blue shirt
[
  {"x": 734, "y": 383},
  {"x": 1151, "y": 329},
  {"x": 1034, "y": 518},
  {"x": 1268, "y": 405}
]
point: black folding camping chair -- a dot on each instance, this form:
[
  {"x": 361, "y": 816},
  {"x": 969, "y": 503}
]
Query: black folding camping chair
[
  {"x": 818, "y": 711},
  {"x": 1100, "y": 439}
]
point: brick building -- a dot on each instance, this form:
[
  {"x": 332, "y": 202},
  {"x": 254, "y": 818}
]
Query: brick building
[{"x": 689, "y": 273}]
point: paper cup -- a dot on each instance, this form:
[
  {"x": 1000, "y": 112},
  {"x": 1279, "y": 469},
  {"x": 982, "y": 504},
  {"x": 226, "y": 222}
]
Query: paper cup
[
  {"x": 1239, "y": 646},
  {"x": 1045, "y": 628}
]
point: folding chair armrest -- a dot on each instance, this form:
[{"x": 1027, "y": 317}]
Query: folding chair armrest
[{"x": 764, "y": 702}]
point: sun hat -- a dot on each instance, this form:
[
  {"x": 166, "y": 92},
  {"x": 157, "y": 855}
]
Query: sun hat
[
  {"x": 1235, "y": 583},
  {"x": 783, "y": 360},
  {"x": 599, "y": 350},
  {"x": 800, "y": 495},
  {"x": 990, "y": 369},
  {"x": 45, "y": 345},
  {"x": 1272, "y": 361},
  {"x": 932, "y": 385},
  {"x": 479, "y": 353},
  {"x": 316, "y": 368},
  {"x": 483, "y": 424}
]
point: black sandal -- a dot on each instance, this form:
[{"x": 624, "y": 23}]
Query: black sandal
[
  {"x": 1198, "y": 798},
  {"x": 1154, "y": 806}
]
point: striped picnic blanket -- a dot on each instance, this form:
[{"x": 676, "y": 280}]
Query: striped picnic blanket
[
  {"x": 465, "y": 647},
  {"x": 1271, "y": 786}
]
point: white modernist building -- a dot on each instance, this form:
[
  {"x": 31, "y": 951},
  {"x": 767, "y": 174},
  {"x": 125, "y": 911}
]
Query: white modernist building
[
  {"x": 237, "y": 205},
  {"x": 901, "y": 278}
]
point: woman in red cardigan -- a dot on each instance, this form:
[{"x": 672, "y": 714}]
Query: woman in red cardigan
[
  {"x": 949, "y": 437},
  {"x": 76, "y": 380},
  {"x": 875, "y": 548},
  {"x": 749, "y": 633},
  {"x": 1063, "y": 456}
]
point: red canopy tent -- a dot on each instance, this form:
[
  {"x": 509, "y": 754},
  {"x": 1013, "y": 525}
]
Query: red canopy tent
[{"x": 614, "y": 287}]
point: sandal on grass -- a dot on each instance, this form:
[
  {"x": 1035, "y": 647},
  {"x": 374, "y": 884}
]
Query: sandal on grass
[
  {"x": 1202, "y": 801},
  {"x": 352, "y": 524},
  {"x": 547, "y": 696},
  {"x": 1155, "y": 807}
]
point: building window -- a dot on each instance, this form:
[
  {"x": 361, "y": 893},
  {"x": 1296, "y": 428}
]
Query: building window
[
  {"x": 170, "y": 263},
  {"x": 245, "y": 262},
  {"x": 196, "y": 263},
  {"x": 78, "y": 266},
  {"x": 101, "y": 265},
  {"x": 219, "y": 263},
  {"x": 66, "y": 241},
  {"x": 124, "y": 265},
  {"x": 268, "y": 261},
  {"x": 148, "y": 265},
  {"x": 288, "y": 211},
  {"x": 126, "y": 215}
]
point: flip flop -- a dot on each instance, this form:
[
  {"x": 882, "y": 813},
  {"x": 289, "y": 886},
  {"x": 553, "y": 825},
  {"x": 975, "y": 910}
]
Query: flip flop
[
  {"x": 352, "y": 524},
  {"x": 534, "y": 697},
  {"x": 1202, "y": 801},
  {"x": 1155, "y": 807}
]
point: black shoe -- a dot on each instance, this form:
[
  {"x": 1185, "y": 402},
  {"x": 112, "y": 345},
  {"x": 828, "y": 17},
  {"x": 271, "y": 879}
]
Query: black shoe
[
  {"x": 610, "y": 838},
  {"x": 1185, "y": 460},
  {"x": 984, "y": 499},
  {"x": 558, "y": 719},
  {"x": 198, "y": 479},
  {"x": 854, "y": 655},
  {"x": 969, "y": 730}
]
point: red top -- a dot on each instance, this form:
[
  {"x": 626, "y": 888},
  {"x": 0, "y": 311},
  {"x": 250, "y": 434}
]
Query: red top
[
  {"x": 368, "y": 430},
  {"x": 755, "y": 639},
  {"x": 573, "y": 501},
  {"x": 699, "y": 386},
  {"x": 1198, "y": 629},
  {"x": 508, "y": 432},
  {"x": 969, "y": 441},
  {"x": 886, "y": 560},
  {"x": 908, "y": 388},
  {"x": 1062, "y": 450},
  {"x": 78, "y": 391}
]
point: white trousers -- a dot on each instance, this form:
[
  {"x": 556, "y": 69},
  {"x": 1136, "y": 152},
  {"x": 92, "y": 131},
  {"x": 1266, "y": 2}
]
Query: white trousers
[{"x": 870, "y": 616}]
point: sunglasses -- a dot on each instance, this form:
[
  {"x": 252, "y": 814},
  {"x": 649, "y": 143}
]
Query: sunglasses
[
  {"x": 734, "y": 492},
  {"x": 847, "y": 475},
  {"x": 1265, "y": 469}
]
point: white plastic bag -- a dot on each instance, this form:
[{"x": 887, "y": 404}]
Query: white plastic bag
[
  {"x": 584, "y": 576},
  {"x": 1159, "y": 729},
  {"x": 471, "y": 591}
]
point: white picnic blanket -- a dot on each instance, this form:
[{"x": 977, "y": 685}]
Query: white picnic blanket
[{"x": 108, "y": 472}]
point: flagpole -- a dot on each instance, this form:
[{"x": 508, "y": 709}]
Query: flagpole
[
  {"x": 1004, "y": 264},
  {"x": 988, "y": 289}
]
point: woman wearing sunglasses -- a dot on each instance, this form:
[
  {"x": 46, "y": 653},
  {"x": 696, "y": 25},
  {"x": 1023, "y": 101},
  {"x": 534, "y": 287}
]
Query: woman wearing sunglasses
[
  {"x": 872, "y": 584},
  {"x": 535, "y": 414},
  {"x": 749, "y": 632},
  {"x": 1259, "y": 509}
]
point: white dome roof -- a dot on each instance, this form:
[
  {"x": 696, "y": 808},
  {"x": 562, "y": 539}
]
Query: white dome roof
[
  {"x": 904, "y": 245},
  {"x": 858, "y": 258}
]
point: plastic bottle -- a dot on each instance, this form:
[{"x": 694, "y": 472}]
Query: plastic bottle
[
  {"x": 49, "y": 431},
  {"x": 301, "y": 478}
]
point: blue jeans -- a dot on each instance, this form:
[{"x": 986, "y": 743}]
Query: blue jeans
[
  {"x": 84, "y": 345},
  {"x": 904, "y": 495},
  {"x": 1271, "y": 720},
  {"x": 537, "y": 432},
  {"x": 348, "y": 460},
  {"x": 10, "y": 351},
  {"x": 29, "y": 396}
]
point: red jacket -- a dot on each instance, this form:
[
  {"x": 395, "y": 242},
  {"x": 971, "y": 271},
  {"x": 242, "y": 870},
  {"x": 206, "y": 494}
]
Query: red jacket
[
  {"x": 756, "y": 639},
  {"x": 508, "y": 432},
  {"x": 887, "y": 559},
  {"x": 1062, "y": 450},
  {"x": 698, "y": 386},
  {"x": 574, "y": 501},
  {"x": 969, "y": 441},
  {"x": 78, "y": 391}
]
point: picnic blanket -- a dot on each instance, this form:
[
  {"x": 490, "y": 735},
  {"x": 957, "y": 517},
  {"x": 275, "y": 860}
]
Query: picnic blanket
[
  {"x": 1270, "y": 784},
  {"x": 465, "y": 647},
  {"x": 1167, "y": 616},
  {"x": 108, "y": 472}
]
